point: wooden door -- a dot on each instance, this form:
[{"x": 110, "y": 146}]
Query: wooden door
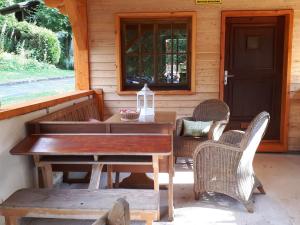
[{"x": 254, "y": 70}]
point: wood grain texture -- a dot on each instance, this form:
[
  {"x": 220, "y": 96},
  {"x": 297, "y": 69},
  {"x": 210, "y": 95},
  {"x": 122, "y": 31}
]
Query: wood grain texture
[
  {"x": 282, "y": 144},
  {"x": 78, "y": 203},
  {"x": 34, "y": 105},
  {"x": 102, "y": 52},
  {"x": 97, "y": 144}
]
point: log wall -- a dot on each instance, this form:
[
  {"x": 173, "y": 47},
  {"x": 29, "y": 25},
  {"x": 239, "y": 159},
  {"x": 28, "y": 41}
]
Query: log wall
[{"x": 102, "y": 52}]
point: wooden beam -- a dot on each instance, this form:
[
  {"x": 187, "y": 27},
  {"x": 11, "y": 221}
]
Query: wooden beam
[
  {"x": 77, "y": 13},
  {"x": 54, "y": 3}
]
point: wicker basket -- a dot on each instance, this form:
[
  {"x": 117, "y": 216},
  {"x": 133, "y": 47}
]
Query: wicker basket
[{"x": 129, "y": 115}]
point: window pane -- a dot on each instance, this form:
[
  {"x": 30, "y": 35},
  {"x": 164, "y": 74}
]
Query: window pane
[
  {"x": 164, "y": 68},
  {"x": 147, "y": 37},
  {"x": 148, "y": 69},
  {"x": 180, "y": 69},
  {"x": 132, "y": 70},
  {"x": 180, "y": 37},
  {"x": 156, "y": 52},
  {"x": 131, "y": 38},
  {"x": 164, "y": 38}
]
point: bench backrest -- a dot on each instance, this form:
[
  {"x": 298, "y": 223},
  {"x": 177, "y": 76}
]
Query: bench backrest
[{"x": 79, "y": 112}]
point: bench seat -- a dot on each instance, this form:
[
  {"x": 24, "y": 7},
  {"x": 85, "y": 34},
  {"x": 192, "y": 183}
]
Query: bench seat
[{"x": 78, "y": 204}]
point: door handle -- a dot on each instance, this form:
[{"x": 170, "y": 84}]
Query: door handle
[{"x": 226, "y": 76}]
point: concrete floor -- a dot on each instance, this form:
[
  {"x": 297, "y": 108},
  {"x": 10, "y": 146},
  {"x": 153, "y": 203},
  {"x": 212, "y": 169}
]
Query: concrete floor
[{"x": 280, "y": 175}]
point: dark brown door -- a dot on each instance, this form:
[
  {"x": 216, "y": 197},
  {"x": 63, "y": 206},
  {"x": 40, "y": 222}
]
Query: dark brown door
[{"x": 254, "y": 70}]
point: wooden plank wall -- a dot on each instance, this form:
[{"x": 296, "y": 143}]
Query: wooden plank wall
[{"x": 102, "y": 52}]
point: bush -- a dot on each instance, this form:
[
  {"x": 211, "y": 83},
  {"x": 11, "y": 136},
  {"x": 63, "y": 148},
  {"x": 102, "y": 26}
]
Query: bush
[
  {"x": 30, "y": 40},
  {"x": 12, "y": 62}
]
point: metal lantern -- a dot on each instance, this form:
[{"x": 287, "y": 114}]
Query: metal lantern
[{"x": 145, "y": 101}]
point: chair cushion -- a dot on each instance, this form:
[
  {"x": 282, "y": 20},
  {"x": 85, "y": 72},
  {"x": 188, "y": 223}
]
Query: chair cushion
[{"x": 196, "y": 128}]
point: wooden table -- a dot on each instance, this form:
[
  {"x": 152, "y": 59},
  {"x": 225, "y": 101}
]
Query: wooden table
[
  {"x": 159, "y": 119},
  {"x": 140, "y": 146}
]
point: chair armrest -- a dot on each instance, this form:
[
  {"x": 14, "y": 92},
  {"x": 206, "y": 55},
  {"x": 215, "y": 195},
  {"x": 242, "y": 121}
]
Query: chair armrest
[
  {"x": 232, "y": 137},
  {"x": 217, "y": 129},
  {"x": 216, "y": 148},
  {"x": 179, "y": 124}
]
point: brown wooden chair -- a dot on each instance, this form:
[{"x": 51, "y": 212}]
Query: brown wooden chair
[{"x": 210, "y": 110}]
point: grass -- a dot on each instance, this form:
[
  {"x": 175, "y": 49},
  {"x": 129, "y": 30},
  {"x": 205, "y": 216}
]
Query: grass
[{"x": 15, "y": 68}]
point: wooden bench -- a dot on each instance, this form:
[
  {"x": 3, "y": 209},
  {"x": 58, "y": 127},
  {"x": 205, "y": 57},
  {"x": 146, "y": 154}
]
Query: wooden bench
[{"x": 77, "y": 204}]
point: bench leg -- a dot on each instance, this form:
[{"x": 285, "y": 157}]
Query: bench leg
[
  {"x": 149, "y": 221},
  {"x": 47, "y": 176},
  {"x": 95, "y": 176},
  {"x": 11, "y": 220}
]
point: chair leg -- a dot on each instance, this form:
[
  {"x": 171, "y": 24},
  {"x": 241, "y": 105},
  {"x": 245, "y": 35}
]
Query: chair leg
[
  {"x": 249, "y": 206},
  {"x": 261, "y": 189}
]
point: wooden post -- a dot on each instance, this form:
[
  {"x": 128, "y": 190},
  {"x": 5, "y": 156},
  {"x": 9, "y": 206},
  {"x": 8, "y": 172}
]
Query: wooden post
[
  {"x": 77, "y": 13},
  {"x": 100, "y": 101}
]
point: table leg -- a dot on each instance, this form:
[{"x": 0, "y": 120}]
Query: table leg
[
  {"x": 47, "y": 175},
  {"x": 11, "y": 220},
  {"x": 155, "y": 172},
  {"x": 109, "y": 176},
  {"x": 95, "y": 176},
  {"x": 155, "y": 162},
  {"x": 170, "y": 189}
]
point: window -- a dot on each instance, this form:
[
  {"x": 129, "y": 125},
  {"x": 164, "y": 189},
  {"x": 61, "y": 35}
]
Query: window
[{"x": 156, "y": 51}]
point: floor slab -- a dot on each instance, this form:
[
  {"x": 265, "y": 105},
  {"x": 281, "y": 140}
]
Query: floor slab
[{"x": 280, "y": 175}]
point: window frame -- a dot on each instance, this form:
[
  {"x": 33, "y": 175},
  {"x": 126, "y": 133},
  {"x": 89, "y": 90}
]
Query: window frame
[{"x": 162, "y": 16}]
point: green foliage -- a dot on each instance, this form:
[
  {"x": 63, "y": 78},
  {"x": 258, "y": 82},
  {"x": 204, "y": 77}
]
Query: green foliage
[
  {"x": 30, "y": 40},
  {"x": 4, "y": 3},
  {"x": 51, "y": 19},
  {"x": 15, "y": 68}
]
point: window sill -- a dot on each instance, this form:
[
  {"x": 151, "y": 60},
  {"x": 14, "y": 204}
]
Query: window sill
[
  {"x": 171, "y": 92},
  {"x": 42, "y": 103}
]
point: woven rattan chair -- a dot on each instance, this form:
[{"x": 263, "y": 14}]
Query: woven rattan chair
[
  {"x": 225, "y": 166},
  {"x": 209, "y": 110}
]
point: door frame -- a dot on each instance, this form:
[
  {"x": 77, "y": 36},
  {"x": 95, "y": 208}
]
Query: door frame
[{"x": 280, "y": 145}]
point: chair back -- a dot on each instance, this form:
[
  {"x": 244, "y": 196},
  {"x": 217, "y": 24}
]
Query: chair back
[
  {"x": 255, "y": 132},
  {"x": 211, "y": 110}
]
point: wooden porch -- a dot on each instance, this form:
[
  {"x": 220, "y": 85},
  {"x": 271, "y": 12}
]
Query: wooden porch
[{"x": 93, "y": 142}]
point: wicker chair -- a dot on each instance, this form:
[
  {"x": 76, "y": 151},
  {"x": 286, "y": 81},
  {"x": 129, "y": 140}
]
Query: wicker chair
[
  {"x": 209, "y": 110},
  {"x": 225, "y": 166}
]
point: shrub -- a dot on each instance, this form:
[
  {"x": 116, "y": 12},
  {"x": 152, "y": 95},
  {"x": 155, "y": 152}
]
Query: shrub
[
  {"x": 12, "y": 62},
  {"x": 31, "y": 40}
]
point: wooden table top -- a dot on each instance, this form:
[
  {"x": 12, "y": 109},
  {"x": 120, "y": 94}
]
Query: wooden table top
[
  {"x": 95, "y": 144},
  {"x": 160, "y": 117}
]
